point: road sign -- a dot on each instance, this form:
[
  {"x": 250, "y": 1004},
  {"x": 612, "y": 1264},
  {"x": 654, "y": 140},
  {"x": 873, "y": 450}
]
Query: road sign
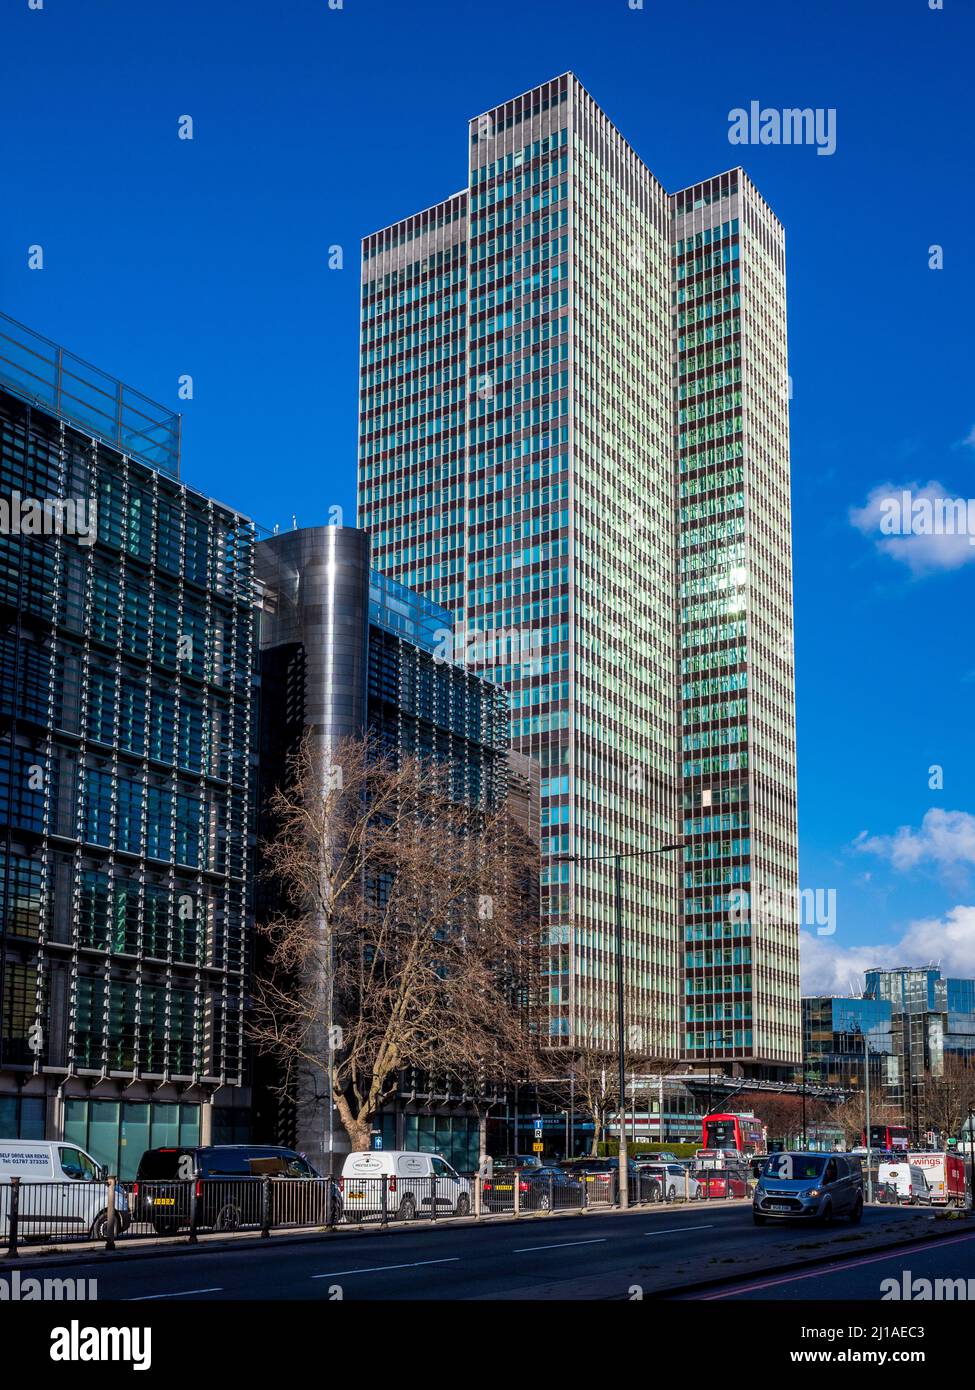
[
  {"x": 538, "y": 1134},
  {"x": 537, "y": 1148}
]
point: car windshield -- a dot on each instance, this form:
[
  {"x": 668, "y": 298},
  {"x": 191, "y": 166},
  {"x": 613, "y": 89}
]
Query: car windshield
[
  {"x": 795, "y": 1167},
  {"x": 160, "y": 1164}
]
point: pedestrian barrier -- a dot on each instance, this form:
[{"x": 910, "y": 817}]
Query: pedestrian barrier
[{"x": 112, "y": 1211}]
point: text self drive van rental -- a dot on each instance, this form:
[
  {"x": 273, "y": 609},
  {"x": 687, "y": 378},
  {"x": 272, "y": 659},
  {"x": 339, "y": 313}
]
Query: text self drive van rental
[
  {"x": 402, "y": 1183},
  {"x": 62, "y": 1190}
]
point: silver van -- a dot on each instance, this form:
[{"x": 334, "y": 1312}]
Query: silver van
[{"x": 811, "y": 1186}]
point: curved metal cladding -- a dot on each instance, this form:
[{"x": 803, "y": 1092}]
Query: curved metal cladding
[{"x": 316, "y": 614}]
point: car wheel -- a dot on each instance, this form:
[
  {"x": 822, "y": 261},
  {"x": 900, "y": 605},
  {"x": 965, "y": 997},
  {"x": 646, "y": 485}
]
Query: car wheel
[
  {"x": 406, "y": 1211},
  {"x": 758, "y": 1219},
  {"x": 700, "y": 1194},
  {"x": 857, "y": 1213},
  {"x": 228, "y": 1218},
  {"x": 98, "y": 1229},
  {"x": 463, "y": 1207},
  {"x": 164, "y": 1228},
  {"x": 827, "y": 1214},
  {"x": 671, "y": 1193}
]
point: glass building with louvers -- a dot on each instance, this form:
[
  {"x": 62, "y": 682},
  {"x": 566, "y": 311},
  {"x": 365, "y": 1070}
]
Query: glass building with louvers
[
  {"x": 552, "y": 445},
  {"x": 126, "y": 696}
]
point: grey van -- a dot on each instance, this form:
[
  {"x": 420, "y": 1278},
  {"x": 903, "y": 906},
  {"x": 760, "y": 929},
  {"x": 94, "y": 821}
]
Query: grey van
[{"x": 815, "y": 1186}]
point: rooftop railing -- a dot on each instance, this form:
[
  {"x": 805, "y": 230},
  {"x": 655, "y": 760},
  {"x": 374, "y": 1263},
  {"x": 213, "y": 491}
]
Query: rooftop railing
[{"x": 45, "y": 374}]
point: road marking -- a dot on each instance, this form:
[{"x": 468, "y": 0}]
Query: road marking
[
  {"x": 838, "y": 1268},
  {"x": 183, "y": 1293},
  {"x": 708, "y": 1227},
  {"x": 561, "y": 1245},
  {"x": 376, "y": 1269}
]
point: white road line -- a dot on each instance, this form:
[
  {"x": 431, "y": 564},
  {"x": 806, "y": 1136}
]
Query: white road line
[
  {"x": 183, "y": 1293},
  {"x": 561, "y": 1245},
  {"x": 376, "y": 1269},
  {"x": 708, "y": 1227}
]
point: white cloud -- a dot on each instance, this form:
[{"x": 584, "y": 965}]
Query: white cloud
[
  {"x": 945, "y": 838},
  {"x": 948, "y": 942},
  {"x": 915, "y": 546}
]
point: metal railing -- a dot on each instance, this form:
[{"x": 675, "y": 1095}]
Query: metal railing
[
  {"x": 46, "y": 374},
  {"x": 110, "y": 1210}
]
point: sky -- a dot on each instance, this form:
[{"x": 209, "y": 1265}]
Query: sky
[{"x": 314, "y": 123}]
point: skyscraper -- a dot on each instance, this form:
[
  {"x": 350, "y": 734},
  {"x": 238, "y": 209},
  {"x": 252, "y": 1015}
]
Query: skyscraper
[
  {"x": 737, "y": 693},
  {"x": 519, "y": 450}
]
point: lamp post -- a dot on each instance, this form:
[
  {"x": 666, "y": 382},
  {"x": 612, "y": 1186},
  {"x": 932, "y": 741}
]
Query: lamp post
[{"x": 617, "y": 857}]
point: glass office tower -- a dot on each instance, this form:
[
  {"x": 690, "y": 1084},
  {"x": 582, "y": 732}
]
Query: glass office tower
[
  {"x": 519, "y": 449},
  {"x": 125, "y": 772},
  {"x": 737, "y": 692}
]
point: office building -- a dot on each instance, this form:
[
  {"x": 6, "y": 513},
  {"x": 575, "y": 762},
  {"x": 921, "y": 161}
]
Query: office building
[
  {"x": 347, "y": 651},
  {"x": 574, "y": 438},
  {"x": 126, "y": 652}
]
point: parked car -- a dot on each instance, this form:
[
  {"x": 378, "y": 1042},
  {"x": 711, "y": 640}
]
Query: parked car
[
  {"x": 63, "y": 1190},
  {"x": 539, "y": 1189},
  {"x": 225, "y": 1180},
  {"x": 721, "y": 1182},
  {"x": 518, "y": 1161},
  {"x": 673, "y": 1181},
  {"x": 415, "y": 1183},
  {"x": 663, "y": 1157},
  {"x": 814, "y": 1186},
  {"x": 601, "y": 1175}
]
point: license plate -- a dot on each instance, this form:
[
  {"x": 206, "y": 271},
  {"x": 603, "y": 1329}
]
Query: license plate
[
  {"x": 164, "y": 1201},
  {"x": 503, "y": 1187},
  {"x": 357, "y": 1196},
  {"x": 779, "y": 1206}
]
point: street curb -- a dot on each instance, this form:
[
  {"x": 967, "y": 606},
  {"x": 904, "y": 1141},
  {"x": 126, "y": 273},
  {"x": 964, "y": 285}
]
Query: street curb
[
  {"x": 723, "y": 1281},
  {"x": 254, "y": 1240}
]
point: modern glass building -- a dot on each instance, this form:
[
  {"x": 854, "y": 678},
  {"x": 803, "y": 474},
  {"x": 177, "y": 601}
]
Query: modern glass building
[
  {"x": 126, "y": 690},
  {"x": 553, "y": 445},
  {"x": 345, "y": 650},
  {"x": 841, "y": 1035},
  {"x": 737, "y": 692},
  {"x": 515, "y": 466}
]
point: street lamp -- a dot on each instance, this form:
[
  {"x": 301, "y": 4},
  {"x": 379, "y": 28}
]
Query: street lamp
[{"x": 617, "y": 859}]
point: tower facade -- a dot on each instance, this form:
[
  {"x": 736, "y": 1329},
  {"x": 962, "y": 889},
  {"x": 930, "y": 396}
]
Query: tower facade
[{"x": 538, "y": 454}]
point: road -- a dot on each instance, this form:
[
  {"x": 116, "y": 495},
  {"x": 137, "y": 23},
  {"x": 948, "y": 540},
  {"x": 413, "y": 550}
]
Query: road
[
  {"x": 863, "y": 1277},
  {"x": 610, "y": 1256}
]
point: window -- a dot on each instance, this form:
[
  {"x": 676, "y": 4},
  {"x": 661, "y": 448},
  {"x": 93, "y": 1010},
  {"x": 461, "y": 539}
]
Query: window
[{"x": 77, "y": 1165}]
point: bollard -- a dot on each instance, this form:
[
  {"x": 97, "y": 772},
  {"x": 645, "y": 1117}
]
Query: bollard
[
  {"x": 433, "y": 1199},
  {"x": 517, "y": 1191},
  {"x": 14, "y": 1216},
  {"x": 551, "y": 1194},
  {"x": 265, "y": 1208},
  {"x": 384, "y": 1217},
  {"x": 477, "y": 1196},
  {"x": 110, "y": 1216},
  {"x": 194, "y": 1211}
]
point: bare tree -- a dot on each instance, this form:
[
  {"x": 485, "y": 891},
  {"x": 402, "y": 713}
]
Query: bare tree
[
  {"x": 591, "y": 1079},
  {"x": 850, "y": 1116},
  {"x": 946, "y": 1098},
  {"x": 405, "y": 927}
]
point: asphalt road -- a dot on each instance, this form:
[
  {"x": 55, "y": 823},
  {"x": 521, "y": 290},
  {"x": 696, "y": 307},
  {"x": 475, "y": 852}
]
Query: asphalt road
[
  {"x": 863, "y": 1277},
  {"x": 611, "y": 1256}
]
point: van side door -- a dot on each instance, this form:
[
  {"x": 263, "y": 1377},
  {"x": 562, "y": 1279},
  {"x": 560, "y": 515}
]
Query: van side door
[{"x": 448, "y": 1184}]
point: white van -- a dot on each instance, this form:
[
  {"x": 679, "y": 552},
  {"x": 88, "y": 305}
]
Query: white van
[
  {"x": 62, "y": 1190},
  {"x": 908, "y": 1180},
  {"x": 413, "y": 1182}
]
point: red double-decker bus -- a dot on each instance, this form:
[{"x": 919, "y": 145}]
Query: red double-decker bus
[
  {"x": 888, "y": 1138},
  {"x": 742, "y": 1133}
]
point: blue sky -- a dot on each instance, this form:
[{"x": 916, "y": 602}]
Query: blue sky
[{"x": 313, "y": 126}]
